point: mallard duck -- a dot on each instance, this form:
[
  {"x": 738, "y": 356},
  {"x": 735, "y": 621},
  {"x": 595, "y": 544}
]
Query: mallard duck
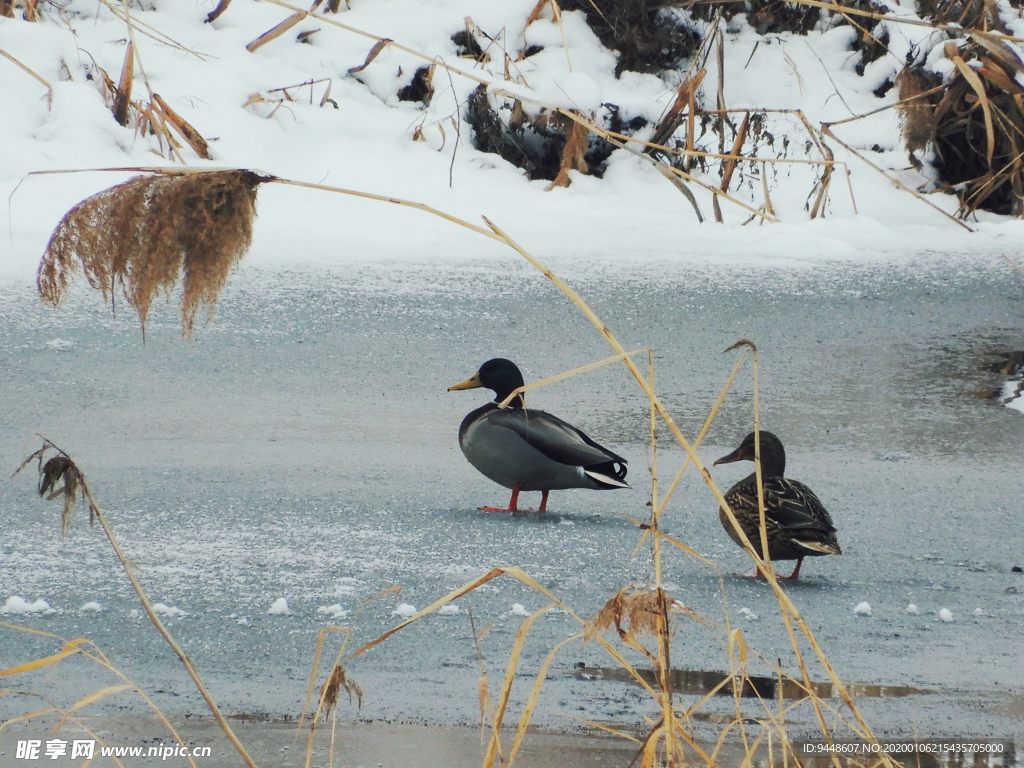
[
  {"x": 796, "y": 522},
  {"x": 530, "y": 450}
]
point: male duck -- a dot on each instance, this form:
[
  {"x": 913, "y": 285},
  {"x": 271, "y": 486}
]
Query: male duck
[
  {"x": 797, "y": 525},
  {"x": 530, "y": 450}
]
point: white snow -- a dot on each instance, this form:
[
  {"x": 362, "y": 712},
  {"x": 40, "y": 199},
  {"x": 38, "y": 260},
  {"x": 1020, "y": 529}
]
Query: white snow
[
  {"x": 945, "y": 615},
  {"x": 749, "y": 614},
  {"x": 91, "y": 607},
  {"x": 449, "y": 610},
  {"x": 17, "y": 604},
  {"x": 862, "y": 609},
  {"x": 518, "y": 609},
  {"x": 168, "y": 610},
  {"x": 363, "y": 138},
  {"x": 279, "y": 608},
  {"x": 405, "y": 610},
  {"x": 60, "y": 344},
  {"x": 912, "y": 608},
  {"x": 336, "y": 611},
  {"x": 1012, "y": 395},
  {"x": 978, "y": 612}
]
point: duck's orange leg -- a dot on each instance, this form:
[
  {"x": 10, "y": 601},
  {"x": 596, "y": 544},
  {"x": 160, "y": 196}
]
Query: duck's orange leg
[
  {"x": 513, "y": 503},
  {"x": 796, "y": 571},
  {"x": 543, "y": 502}
]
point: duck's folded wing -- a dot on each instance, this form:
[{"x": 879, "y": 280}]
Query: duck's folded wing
[
  {"x": 796, "y": 507},
  {"x": 556, "y": 439}
]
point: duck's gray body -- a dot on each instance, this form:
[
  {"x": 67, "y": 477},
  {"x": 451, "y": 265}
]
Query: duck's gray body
[{"x": 536, "y": 451}]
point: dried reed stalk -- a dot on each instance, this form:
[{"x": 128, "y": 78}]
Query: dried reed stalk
[
  {"x": 828, "y": 132},
  {"x": 73, "y": 648},
  {"x": 21, "y": 66},
  {"x": 673, "y": 117},
  {"x": 72, "y": 475},
  {"x": 275, "y": 32},
  {"x": 730, "y": 164},
  {"x": 565, "y": 375}
]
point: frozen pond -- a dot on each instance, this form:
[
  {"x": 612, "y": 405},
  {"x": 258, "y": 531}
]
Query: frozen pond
[{"x": 304, "y": 446}]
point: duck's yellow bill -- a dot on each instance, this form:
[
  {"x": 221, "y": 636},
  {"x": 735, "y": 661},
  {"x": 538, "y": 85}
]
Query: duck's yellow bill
[{"x": 473, "y": 382}]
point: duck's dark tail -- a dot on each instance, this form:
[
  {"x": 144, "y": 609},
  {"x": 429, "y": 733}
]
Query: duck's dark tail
[{"x": 608, "y": 475}]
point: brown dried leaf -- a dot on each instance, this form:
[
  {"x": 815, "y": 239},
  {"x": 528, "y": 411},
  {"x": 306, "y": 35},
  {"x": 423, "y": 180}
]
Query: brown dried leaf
[
  {"x": 979, "y": 88},
  {"x": 216, "y": 12},
  {"x": 374, "y": 52},
  {"x": 631, "y": 611},
  {"x": 187, "y": 132},
  {"x": 123, "y": 98},
  {"x": 61, "y": 469},
  {"x": 276, "y": 32},
  {"x": 535, "y": 13},
  {"x": 339, "y": 680},
  {"x": 1003, "y": 53},
  {"x": 576, "y": 142}
]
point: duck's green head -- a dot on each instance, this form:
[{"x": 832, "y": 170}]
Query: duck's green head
[
  {"x": 773, "y": 455},
  {"x": 501, "y": 375}
]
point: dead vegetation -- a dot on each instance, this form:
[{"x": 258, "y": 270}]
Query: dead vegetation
[
  {"x": 649, "y": 36},
  {"x": 547, "y": 145},
  {"x": 975, "y": 123},
  {"x": 142, "y": 236}
]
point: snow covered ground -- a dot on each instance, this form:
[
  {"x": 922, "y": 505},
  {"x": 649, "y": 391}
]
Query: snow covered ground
[{"x": 363, "y": 137}]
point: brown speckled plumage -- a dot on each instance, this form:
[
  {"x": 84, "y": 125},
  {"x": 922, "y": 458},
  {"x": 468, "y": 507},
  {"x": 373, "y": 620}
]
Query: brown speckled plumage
[{"x": 797, "y": 525}]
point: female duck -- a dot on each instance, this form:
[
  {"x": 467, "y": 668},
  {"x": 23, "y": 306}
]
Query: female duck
[
  {"x": 530, "y": 450},
  {"x": 797, "y": 525}
]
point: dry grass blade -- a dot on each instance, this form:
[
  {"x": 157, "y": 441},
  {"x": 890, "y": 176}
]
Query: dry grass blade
[
  {"x": 531, "y": 701},
  {"x": 979, "y": 88},
  {"x": 123, "y": 97},
  {"x": 576, "y": 136},
  {"x": 186, "y": 131},
  {"x": 673, "y": 117},
  {"x": 379, "y": 46},
  {"x": 216, "y": 12},
  {"x": 565, "y": 375},
  {"x": 999, "y": 49},
  {"x": 827, "y": 131},
  {"x": 275, "y": 32},
  {"x": 92, "y": 698},
  {"x": 516, "y": 573},
  {"x": 145, "y": 234},
  {"x": 494, "y": 744}
]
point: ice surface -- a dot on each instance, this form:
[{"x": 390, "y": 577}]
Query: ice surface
[{"x": 171, "y": 611}]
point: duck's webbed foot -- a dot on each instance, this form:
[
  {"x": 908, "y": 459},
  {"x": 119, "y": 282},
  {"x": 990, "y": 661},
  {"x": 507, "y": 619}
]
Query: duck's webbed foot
[{"x": 513, "y": 504}]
